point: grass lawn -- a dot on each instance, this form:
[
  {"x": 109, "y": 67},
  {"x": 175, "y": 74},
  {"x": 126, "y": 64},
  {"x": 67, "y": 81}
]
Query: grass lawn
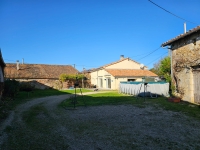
[
  {"x": 38, "y": 127},
  {"x": 114, "y": 98},
  {"x": 22, "y": 97}
]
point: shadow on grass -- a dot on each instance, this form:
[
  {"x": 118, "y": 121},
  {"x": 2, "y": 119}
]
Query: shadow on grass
[
  {"x": 114, "y": 98},
  {"x": 9, "y": 103}
]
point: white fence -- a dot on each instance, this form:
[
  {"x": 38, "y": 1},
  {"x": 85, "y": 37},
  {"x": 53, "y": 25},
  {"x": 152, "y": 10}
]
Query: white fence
[{"x": 135, "y": 88}]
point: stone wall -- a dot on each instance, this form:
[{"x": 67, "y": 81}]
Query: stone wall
[
  {"x": 51, "y": 83},
  {"x": 185, "y": 56},
  {"x": 43, "y": 83}
]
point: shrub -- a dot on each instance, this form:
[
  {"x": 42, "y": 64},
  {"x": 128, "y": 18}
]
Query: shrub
[
  {"x": 11, "y": 88},
  {"x": 72, "y": 77}
]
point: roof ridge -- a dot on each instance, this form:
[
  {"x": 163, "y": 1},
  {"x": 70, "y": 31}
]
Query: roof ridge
[
  {"x": 38, "y": 64},
  {"x": 181, "y": 36},
  {"x": 118, "y": 62}
]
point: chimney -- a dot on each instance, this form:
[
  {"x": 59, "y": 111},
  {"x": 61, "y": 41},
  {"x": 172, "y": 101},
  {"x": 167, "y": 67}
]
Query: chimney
[
  {"x": 17, "y": 64},
  {"x": 121, "y": 57},
  {"x": 184, "y": 27},
  {"x": 22, "y": 60}
]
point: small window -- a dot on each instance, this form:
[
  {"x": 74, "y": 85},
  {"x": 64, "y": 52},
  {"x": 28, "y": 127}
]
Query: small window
[{"x": 131, "y": 80}]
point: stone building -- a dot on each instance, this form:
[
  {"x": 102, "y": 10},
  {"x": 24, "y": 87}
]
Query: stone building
[
  {"x": 185, "y": 64},
  {"x": 39, "y": 75}
]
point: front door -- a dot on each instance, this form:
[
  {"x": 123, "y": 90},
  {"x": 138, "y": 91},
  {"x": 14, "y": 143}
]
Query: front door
[
  {"x": 196, "y": 76},
  {"x": 108, "y": 83},
  {"x": 100, "y": 82}
]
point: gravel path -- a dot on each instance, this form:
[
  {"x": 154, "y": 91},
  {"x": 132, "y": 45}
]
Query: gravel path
[{"x": 99, "y": 128}]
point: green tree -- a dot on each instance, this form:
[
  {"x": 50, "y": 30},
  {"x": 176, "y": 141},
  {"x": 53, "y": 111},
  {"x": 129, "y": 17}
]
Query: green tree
[
  {"x": 165, "y": 68},
  {"x": 64, "y": 77}
]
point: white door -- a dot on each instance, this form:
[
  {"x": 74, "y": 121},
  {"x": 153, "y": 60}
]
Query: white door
[{"x": 108, "y": 83}]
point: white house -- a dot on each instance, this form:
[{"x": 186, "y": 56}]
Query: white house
[{"x": 109, "y": 76}]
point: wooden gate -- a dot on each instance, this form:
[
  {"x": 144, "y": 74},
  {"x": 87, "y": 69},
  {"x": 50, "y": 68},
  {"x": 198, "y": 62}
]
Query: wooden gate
[{"x": 196, "y": 75}]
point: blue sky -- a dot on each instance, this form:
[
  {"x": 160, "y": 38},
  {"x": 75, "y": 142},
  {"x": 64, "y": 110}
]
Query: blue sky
[{"x": 91, "y": 33}]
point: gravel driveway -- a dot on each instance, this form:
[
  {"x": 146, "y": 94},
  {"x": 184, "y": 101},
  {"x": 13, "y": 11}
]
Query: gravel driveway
[{"x": 98, "y": 128}]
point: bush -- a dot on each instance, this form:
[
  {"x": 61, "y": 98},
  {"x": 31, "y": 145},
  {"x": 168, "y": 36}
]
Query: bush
[
  {"x": 72, "y": 77},
  {"x": 11, "y": 88}
]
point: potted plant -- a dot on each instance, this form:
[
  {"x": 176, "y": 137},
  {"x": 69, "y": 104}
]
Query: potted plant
[{"x": 174, "y": 99}]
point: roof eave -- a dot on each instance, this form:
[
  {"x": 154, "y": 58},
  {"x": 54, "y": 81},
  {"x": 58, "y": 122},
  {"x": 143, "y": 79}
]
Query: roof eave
[{"x": 197, "y": 29}]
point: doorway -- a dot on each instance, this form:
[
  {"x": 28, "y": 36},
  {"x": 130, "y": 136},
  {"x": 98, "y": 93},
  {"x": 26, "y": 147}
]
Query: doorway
[
  {"x": 108, "y": 83},
  {"x": 100, "y": 82}
]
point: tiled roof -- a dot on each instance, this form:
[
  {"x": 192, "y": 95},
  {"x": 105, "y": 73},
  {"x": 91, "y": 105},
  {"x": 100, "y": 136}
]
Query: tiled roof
[
  {"x": 37, "y": 71},
  {"x": 130, "y": 72},
  {"x": 181, "y": 36}
]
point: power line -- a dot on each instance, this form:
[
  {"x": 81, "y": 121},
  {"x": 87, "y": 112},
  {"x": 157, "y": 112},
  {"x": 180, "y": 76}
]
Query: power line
[
  {"x": 156, "y": 58},
  {"x": 10, "y": 60},
  {"x": 86, "y": 66},
  {"x": 149, "y": 53},
  {"x": 144, "y": 54},
  {"x": 171, "y": 12}
]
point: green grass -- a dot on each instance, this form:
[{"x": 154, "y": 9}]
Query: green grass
[
  {"x": 33, "y": 118},
  {"x": 37, "y": 131},
  {"x": 184, "y": 107},
  {"x": 22, "y": 97},
  {"x": 107, "y": 98},
  {"x": 114, "y": 98},
  {"x": 25, "y": 96},
  {"x": 39, "y": 128}
]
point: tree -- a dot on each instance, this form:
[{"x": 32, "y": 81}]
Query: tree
[
  {"x": 155, "y": 69},
  {"x": 64, "y": 77},
  {"x": 165, "y": 68}
]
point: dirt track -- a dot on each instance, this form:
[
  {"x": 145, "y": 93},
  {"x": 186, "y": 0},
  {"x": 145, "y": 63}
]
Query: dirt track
[{"x": 102, "y": 127}]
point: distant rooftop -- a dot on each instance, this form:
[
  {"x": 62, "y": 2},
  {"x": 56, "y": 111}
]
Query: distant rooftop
[{"x": 37, "y": 71}]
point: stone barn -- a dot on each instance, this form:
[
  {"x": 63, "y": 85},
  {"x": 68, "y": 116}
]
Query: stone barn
[
  {"x": 41, "y": 76},
  {"x": 185, "y": 64}
]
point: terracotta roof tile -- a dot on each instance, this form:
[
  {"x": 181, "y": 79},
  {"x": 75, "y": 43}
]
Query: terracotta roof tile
[
  {"x": 130, "y": 72},
  {"x": 181, "y": 36},
  {"x": 37, "y": 71}
]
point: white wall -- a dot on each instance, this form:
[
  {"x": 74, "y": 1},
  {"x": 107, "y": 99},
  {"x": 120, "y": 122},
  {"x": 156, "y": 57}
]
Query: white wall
[
  {"x": 125, "y": 64},
  {"x": 95, "y": 76}
]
